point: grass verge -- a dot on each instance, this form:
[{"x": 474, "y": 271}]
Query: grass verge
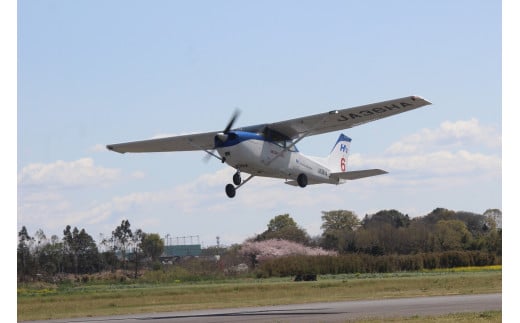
[
  {"x": 488, "y": 317},
  {"x": 52, "y": 302}
]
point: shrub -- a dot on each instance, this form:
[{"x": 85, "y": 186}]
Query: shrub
[{"x": 363, "y": 263}]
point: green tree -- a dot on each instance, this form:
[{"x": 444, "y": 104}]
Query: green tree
[
  {"x": 137, "y": 240},
  {"x": 70, "y": 246},
  {"x": 121, "y": 237},
  {"x": 281, "y": 222},
  {"x": 420, "y": 237},
  {"x": 392, "y": 217},
  {"x": 339, "y": 220},
  {"x": 24, "y": 258},
  {"x": 452, "y": 235},
  {"x": 81, "y": 250},
  {"x": 284, "y": 227},
  {"x": 88, "y": 253},
  {"x": 475, "y": 223},
  {"x": 439, "y": 214},
  {"x": 338, "y": 227},
  {"x": 40, "y": 241},
  {"x": 51, "y": 256},
  {"x": 152, "y": 246},
  {"x": 493, "y": 238}
]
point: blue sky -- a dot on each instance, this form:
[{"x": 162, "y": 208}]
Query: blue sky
[{"x": 91, "y": 73}]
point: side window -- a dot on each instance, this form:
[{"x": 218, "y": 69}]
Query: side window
[
  {"x": 286, "y": 143},
  {"x": 293, "y": 148},
  {"x": 279, "y": 143}
]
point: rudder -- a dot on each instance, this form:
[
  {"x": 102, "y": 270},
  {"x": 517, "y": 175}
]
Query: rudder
[{"x": 338, "y": 157}]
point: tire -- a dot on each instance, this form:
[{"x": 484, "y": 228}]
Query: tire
[
  {"x": 230, "y": 190},
  {"x": 237, "y": 180},
  {"x": 302, "y": 180}
]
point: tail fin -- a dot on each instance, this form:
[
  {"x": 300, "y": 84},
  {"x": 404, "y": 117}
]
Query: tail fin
[{"x": 337, "y": 159}]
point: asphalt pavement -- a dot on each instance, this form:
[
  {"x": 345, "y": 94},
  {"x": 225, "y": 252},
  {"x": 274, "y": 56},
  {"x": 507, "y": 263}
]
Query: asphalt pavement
[{"x": 318, "y": 312}]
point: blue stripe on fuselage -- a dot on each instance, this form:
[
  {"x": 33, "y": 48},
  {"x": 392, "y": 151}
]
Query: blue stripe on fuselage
[{"x": 236, "y": 137}]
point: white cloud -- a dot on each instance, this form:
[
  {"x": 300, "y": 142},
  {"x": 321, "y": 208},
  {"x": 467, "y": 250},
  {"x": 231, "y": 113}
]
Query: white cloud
[
  {"x": 449, "y": 135},
  {"x": 443, "y": 162},
  {"x": 452, "y": 149},
  {"x": 62, "y": 174}
]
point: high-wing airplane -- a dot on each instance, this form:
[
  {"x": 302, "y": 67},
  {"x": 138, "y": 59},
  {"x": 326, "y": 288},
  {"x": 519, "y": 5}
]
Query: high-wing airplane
[{"x": 269, "y": 150}]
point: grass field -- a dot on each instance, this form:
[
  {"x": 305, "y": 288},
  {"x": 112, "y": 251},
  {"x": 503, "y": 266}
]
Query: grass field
[
  {"x": 488, "y": 317},
  {"x": 48, "y": 302}
]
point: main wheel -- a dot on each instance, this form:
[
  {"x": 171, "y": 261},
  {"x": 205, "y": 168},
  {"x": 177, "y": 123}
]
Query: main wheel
[
  {"x": 237, "y": 179},
  {"x": 302, "y": 180},
  {"x": 230, "y": 190}
]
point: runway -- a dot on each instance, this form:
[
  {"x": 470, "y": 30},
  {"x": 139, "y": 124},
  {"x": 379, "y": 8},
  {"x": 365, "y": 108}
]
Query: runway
[{"x": 319, "y": 312}]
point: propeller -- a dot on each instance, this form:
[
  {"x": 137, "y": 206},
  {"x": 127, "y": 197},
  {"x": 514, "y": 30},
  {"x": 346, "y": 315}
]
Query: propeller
[{"x": 223, "y": 136}]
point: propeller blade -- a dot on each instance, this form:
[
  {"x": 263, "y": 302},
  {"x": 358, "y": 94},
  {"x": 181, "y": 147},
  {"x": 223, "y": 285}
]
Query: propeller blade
[
  {"x": 232, "y": 121},
  {"x": 222, "y": 136}
]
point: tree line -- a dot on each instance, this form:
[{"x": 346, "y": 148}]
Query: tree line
[
  {"x": 386, "y": 240},
  {"x": 77, "y": 252},
  {"x": 389, "y": 232}
]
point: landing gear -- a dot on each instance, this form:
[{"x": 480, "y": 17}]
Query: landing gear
[
  {"x": 230, "y": 190},
  {"x": 237, "y": 180},
  {"x": 302, "y": 180}
]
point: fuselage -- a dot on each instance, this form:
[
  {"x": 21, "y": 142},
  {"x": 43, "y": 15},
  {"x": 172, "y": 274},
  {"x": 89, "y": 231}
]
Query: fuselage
[{"x": 253, "y": 154}]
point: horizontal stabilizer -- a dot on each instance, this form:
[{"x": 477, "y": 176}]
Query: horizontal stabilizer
[
  {"x": 358, "y": 174},
  {"x": 335, "y": 178}
]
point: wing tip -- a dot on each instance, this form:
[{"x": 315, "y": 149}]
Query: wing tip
[
  {"x": 418, "y": 97},
  {"x": 111, "y": 148}
]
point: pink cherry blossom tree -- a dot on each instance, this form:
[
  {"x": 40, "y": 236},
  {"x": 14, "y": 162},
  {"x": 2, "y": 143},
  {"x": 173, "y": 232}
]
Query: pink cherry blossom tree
[{"x": 257, "y": 251}]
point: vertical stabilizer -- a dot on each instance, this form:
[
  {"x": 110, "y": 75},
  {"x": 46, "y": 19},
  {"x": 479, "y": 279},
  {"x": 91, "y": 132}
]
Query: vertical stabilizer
[{"x": 337, "y": 159}]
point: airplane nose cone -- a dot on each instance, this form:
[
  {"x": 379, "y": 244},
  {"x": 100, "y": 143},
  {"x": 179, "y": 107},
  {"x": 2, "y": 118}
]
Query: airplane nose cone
[{"x": 222, "y": 137}]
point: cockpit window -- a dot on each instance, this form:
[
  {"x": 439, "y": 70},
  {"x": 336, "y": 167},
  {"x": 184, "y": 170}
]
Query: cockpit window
[
  {"x": 278, "y": 139},
  {"x": 286, "y": 143}
]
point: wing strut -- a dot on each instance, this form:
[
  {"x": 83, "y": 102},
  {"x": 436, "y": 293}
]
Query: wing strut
[
  {"x": 245, "y": 181},
  {"x": 211, "y": 153}
]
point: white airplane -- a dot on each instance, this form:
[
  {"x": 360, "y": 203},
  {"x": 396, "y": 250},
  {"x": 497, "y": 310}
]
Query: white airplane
[{"x": 269, "y": 150}]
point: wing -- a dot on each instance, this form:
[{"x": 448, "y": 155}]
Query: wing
[
  {"x": 199, "y": 141},
  {"x": 293, "y": 129},
  {"x": 342, "y": 119}
]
